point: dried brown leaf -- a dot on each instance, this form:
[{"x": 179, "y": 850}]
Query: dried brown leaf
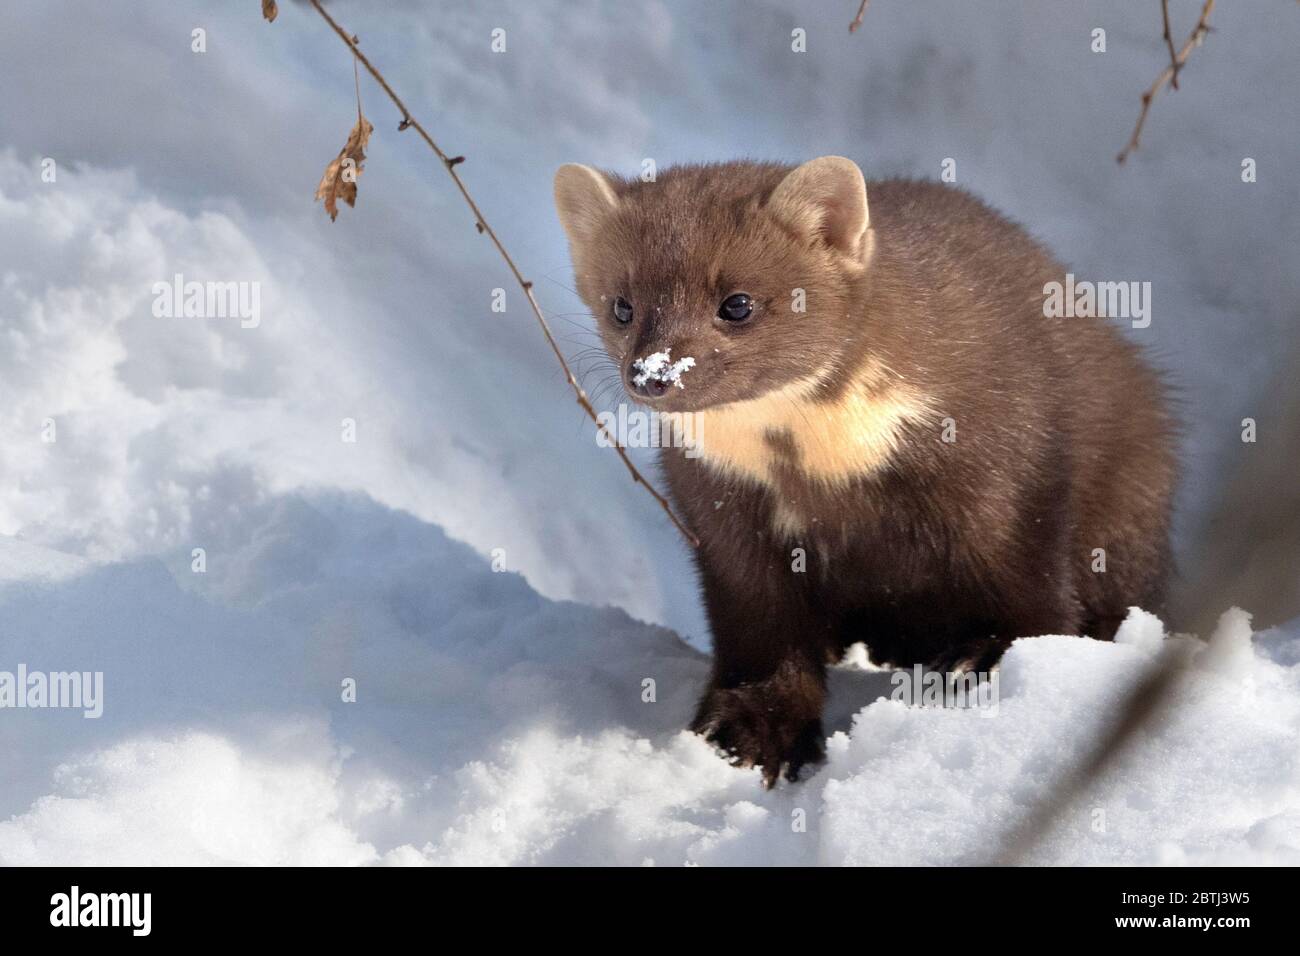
[
  {"x": 270, "y": 10},
  {"x": 340, "y": 179}
]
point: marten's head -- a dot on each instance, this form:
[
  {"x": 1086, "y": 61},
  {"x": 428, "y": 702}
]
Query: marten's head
[{"x": 721, "y": 283}]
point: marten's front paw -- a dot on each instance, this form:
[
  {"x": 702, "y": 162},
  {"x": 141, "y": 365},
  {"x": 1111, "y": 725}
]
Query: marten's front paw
[
  {"x": 972, "y": 657},
  {"x": 758, "y": 726}
]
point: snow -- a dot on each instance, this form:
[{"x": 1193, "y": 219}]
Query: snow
[
  {"x": 492, "y": 725},
  {"x": 661, "y": 367},
  {"x": 499, "y": 713},
  {"x": 387, "y": 318},
  {"x": 20, "y": 561}
]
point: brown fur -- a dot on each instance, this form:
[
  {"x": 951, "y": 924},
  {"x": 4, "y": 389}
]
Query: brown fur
[{"x": 821, "y": 431}]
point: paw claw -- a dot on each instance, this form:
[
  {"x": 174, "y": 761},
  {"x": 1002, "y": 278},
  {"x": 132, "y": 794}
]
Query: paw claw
[{"x": 756, "y": 725}]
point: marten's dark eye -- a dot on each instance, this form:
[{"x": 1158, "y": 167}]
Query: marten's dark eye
[
  {"x": 736, "y": 308},
  {"x": 622, "y": 310}
]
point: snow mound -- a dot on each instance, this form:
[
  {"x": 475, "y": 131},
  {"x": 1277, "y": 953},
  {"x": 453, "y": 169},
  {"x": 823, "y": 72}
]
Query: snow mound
[
  {"x": 493, "y": 726},
  {"x": 21, "y": 561}
]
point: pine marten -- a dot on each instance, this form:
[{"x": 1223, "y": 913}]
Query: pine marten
[{"x": 894, "y": 445}]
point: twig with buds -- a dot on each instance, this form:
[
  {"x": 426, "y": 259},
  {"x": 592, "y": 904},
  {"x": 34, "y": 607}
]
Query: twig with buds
[
  {"x": 481, "y": 224},
  {"x": 1170, "y": 73}
]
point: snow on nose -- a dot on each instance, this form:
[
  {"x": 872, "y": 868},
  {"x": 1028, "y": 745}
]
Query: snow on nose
[{"x": 659, "y": 369}]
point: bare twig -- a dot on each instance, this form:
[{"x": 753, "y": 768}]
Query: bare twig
[
  {"x": 481, "y": 224},
  {"x": 857, "y": 21},
  {"x": 1169, "y": 42},
  {"x": 1169, "y": 73}
]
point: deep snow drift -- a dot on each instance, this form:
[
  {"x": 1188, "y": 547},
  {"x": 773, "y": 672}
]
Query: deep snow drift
[
  {"x": 385, "y": 316},
  {"x": 492, "y": 725}
]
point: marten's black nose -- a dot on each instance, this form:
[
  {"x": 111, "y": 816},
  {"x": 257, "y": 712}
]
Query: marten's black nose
[{"x": 649, "y": 387}]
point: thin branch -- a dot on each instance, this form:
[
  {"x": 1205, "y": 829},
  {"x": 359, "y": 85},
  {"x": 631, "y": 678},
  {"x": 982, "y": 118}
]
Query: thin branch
[
  {"x": 356, "y": 81},
  {"x": 1168, "y": 74},
  {"x": 857, "y": 21},
  {"x": 481, "y": 224},
  {"x": 1169, "y": 42}
]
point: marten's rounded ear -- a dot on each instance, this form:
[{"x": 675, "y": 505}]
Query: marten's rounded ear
[
  {"x": 826, "y": 199},
  {"x": 583, "y": 197}
]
